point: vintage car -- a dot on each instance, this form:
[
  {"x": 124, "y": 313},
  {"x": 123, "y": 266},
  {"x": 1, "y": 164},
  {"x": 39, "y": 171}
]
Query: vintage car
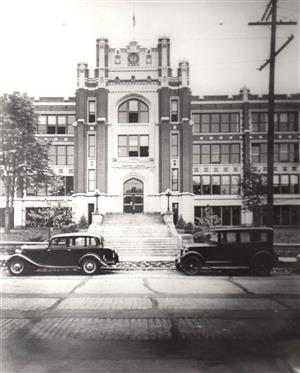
[
  {"x": 64, "y": 251},
  {"x": 250, "y": 248}
]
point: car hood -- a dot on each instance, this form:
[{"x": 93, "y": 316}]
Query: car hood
[
  {"x": 197, "y": 245},
  {"x": 41, "y": 246}
]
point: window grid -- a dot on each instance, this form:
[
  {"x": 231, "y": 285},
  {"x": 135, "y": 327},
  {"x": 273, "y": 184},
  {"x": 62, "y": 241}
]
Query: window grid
[
  {"x": 174, "y": 181},
  {"x": 229, "y": 215},
  {"x": 174, "y": 145},
  {"x": 91, "y": 180},
  {"x": 91, "y": 111},
  {"x": 283, "y": 121},
  {"x": 56, "y": 124},
  {"x": 174, "y": 110},
  {"x": 286, "y": 184},
  {"x": 91, "y": 146},
  {"x": 216, "y": 153},
  {"x": 215, "y": 184},
  {"x": 133, "y": 145},
  {"x": 216, "y": 122},
  {"x": 133, "y": 111},
  {"x": 61, "y": 154},
  {"x": 64, "y": 187},
  {"x": 283, "y": 152}
]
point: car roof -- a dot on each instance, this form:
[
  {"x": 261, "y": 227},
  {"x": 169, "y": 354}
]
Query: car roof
[
  {"x": 76, "y": 234},
  {"x": 242, "y": 229}
]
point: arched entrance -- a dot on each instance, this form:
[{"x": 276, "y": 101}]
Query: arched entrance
[{"x": 133, "y": 201}]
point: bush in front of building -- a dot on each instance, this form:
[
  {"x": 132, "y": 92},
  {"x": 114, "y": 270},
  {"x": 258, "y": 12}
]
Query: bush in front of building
[
  {"x": 180, "y": 223},
  {"x": 83, "y": 223},
  {"x": 188, "y": 228}
]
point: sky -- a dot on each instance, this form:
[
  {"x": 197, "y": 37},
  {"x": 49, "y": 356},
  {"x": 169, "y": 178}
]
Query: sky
[{"x": 42, "y": 41}]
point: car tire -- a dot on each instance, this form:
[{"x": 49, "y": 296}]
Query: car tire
[
  {"x": 17, "y": 267},
  {"x": 90, "y": 266},
  {"x": 262, "y": 264},
  {"x": 191, "y": 265}
]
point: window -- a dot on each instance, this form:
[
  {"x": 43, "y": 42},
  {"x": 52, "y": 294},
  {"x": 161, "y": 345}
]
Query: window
[
  {"x": 283, "y": 121},
  {"x": 148, "y": 59},
  {"x": 286, "y": 215},
  {"x": 215, "y": 184},
  {"x": 286, "y": 153},
  {"x": 216, "y": 153},
  {"x": 133, "y": 111},
  {"x": 245, "y": 237},
  {"x": 91, "y": 111},
  {"x": 117, "y": 59},
  {"x": 70, "y": 121},
  {"x": 174, "y": 181},
  {"x": 174, "y": 110},
  {"x": 286, "y": 184},
  {"x": 56, "y": 124},
  {"x": 91, "y": 146},
  {"x": 228, "y": 215},
  {"x": 133, "y": 146},
  {"x": 61, "y": 154},
  {"x": 63, "y": 187},
  {"x": 216, "y": 122},
  {"x": 42, "y": 125},
  {"x": 259, "y": 153},
  {"x": 174, "y": 145},
  {"x": 91, "y": 180}
]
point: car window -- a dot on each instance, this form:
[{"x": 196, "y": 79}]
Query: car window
[
  {"x": 91, "y": 241},
  {"x": 245, "y": 237},
  {"x": 259, "y": 236},
  {"x": 228, "y": 237},
  {"x": 212, "y": 237},
  {"x": 60, "y": 241}
]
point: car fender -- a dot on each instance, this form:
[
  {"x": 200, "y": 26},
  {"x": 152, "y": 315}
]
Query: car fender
[
  {"x": 23, "y": 257},
  {"x": 97, "y": 257},
  {"x": 192, "y": 253},
  {"x": 263, "y": 252}
]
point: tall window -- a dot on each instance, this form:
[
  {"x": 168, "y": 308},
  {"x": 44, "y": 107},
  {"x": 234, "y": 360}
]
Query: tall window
[
  {"x": 174, "y": 181},
  {"x": 174, "y": 110},
  {"x": 259, "y": 153},
  {"x": 133, "y": 146},
  {"x": 91, "y": 180},
  {"x": 133, "y": 111},
  {"x": 216, "y": 153},
  {"x": 216, "y": 122},
  {"x": 174, "y": 145},
  {"x": 91, "y": 146},
  {"x": 91, "y": 111},
  {"x": 56, "y": 124}
]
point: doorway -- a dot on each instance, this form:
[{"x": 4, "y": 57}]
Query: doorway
[{"x": 133, "y": 201}]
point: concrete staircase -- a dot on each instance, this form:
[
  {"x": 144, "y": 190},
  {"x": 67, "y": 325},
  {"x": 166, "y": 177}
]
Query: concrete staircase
[{"x": 137, "y": 237}]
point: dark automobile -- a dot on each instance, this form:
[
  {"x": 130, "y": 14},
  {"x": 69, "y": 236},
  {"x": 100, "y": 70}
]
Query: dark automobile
[
  {"x": 251, "y": 248},
  {"x": 64, "y": 251}
]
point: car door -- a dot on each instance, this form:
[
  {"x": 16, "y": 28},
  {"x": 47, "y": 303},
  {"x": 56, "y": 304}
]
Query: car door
[
  {"x": 59, "y": 253},
  {"x": 227, "y": 246}
]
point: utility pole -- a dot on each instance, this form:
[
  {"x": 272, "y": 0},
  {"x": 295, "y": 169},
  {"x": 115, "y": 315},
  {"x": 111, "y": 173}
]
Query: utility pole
[{"x": 271, "y": 10}]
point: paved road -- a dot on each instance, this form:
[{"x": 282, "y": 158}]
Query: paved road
[{"x": 150, "y": 321}]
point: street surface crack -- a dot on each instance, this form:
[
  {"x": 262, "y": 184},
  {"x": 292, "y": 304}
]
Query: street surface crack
[
  {"x": 60, "y": 300},
  {"x": 230, "y": 279},
  {"x": 148, "y": 287},
  {"x": 154, "y": 303}
]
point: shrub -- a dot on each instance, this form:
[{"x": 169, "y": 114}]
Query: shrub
[
  {"x": 83, "y": 224},
  {"x": 180, "y": 223},
  {"x": 188, "y": 228}
]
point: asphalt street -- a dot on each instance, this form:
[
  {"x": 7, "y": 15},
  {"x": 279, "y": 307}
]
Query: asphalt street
[{"x": 149, "y": 321}]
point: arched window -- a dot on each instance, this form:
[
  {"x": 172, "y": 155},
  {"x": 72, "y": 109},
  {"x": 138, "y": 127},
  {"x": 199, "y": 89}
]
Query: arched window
[{"x": 133, "y": 111}]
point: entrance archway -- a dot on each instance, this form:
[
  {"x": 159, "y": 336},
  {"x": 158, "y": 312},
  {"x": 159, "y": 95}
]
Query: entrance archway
[{"x": 133, "y": 200}]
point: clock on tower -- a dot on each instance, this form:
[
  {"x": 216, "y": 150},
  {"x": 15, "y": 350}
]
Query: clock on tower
[{"x": 133, "y": 59}]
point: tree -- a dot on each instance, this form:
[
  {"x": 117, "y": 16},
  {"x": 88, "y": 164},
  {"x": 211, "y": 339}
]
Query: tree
[
  {"x": 56, "y": 216},
  {"x": 253, "y": 191},
  {"x": 83, "y": 223},
  {"x": 208, "y": 219},
  {"x": 23, "y": 158}
]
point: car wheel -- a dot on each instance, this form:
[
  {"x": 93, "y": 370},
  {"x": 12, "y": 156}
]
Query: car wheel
[
  {"x": 262, "y": 264},
  {"x": 191, "y": 265},
  {"x": 89, "y": 266},
  {"x": 17, "y": 267}
]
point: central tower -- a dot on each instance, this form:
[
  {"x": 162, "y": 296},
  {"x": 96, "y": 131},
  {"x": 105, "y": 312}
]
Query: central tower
[{"x": 133, "y": 131}]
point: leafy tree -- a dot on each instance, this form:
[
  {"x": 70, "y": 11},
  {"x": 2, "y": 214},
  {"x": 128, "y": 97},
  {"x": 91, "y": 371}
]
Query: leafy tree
[
  {"x": 22, "y": 157},
  {"x": 253, "y": 191},
  {"x": 56, "y": 216},
  {"x": 208, "y": 219}
]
